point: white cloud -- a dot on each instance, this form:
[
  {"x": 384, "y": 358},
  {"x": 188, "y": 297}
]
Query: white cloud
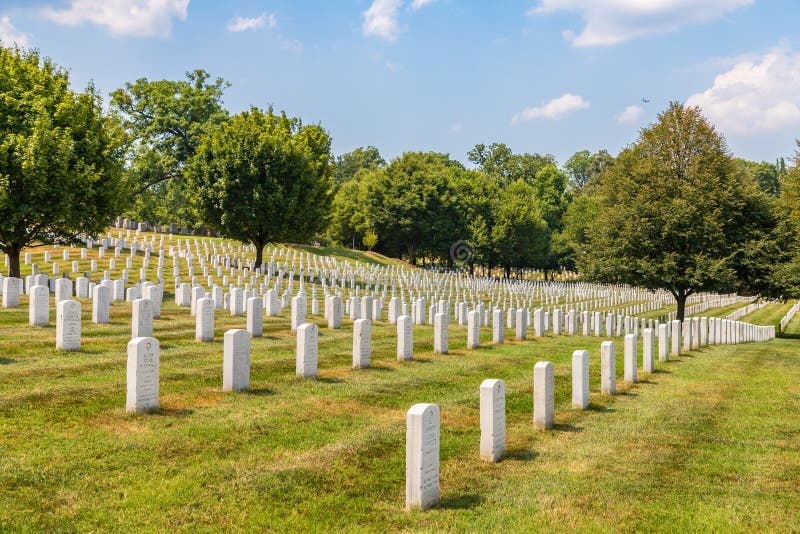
[
  {"x": 393, "y": 67},
  {"x": 555, "y": 109},
  {"x": 240, "y": 24},
  {"x": 416, "y": 4},
  {"x": 630, "y": 115},
  {"x": 380, "y": 20},
  {"x": 9, "y": 35},
  {"x": 758, "y": 95},
  {"x": 139, "y": 18},
  {"x": 608, "y": 22}
]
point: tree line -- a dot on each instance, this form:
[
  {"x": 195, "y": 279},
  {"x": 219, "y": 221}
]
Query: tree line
[{"x": 673, "y": 210}]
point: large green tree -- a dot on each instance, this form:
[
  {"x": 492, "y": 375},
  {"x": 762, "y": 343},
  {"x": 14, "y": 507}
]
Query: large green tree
[
  {"x": 60, "y": 157},
  {"x": 261, "y": 177},
  {"x": 413, "y": 205},
  {"x": 361, "y": 159},
  {"x": 164, "y": 120},
  {"x": 675, "y": 211},
  {"x": 520, "y": 235}
]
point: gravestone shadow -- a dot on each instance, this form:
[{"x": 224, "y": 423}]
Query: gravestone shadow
[
  {"x": 259, "y": 392},
  {"x": 522, "y": 455},
  {"x": 463, "y": 501},
  {"x": 4, "y": 361},
  {"x": 600, "y": 408}
]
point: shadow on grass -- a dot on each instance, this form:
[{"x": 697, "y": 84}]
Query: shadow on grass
[
  {"x": 382, "y": 368},
  {"x": 561, "y": 427},
  {"x": 328, "y": 380},
  {"x": 600, "y": 408},
  {"x": 662, "y": 371},
  {"x": 522, "y": 455},
  {"x": 789, "y": 336},
  {"x": 647, "y": 381},
  {"x": 259, "y": 392},
  {"x": 4, "y": 361},
  {"x": 464, "y": 501},
  {"x": 174, "y": 412}
]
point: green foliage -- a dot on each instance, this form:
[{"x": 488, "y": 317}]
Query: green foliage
[
  {"x": 413, "y": 205},
  {"x": 164, "y": 120},
  {"x": 674, "y": 211},
  {"x": 350, "y": 164},
  {"x": 261, "y": 178},
  {"x": 520, "y": 235},
  {"x": 60, "y": 157},
  {"x": 767, "y": 175},
  {"x": 585, "y": 168},
  {"x": 370, "y": 240},
  {"x": 498, "y": 161}
]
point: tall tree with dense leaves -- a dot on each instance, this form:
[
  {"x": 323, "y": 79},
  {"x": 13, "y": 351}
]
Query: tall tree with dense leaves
[
  {"x": 261, "y": 177},
  {"x": 584, "y": 168},
  {"x": 786, "y": 271},
  {"x": 164, "y": 120},
  {"x": 674, "y": 211},
  {"x": 60, "y": 157},
  {"x": 520, "y": 235},
  {"x": 412, "y": 204},
  {"x": 361, "y": 159}
]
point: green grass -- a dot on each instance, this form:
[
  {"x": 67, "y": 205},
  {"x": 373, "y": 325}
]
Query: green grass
[{"x": 707, "y": 443}]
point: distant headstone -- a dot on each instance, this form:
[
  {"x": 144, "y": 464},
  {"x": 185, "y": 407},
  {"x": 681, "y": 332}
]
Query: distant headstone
[
  {"x": 334, "y": 307},
  {"x": 473, "y": 329},
  {"x": 298, "y": 311},
  {"x": 521, "y": 324},
  {"x": 204, "y": 319}
]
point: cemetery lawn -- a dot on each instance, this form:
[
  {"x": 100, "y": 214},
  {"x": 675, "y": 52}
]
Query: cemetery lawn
[{"x": 709, "y": 442}]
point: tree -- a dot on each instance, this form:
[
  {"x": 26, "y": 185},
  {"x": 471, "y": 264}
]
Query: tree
[
  {"x": 164, "y": 120},
  {"x": 674, "y": 211},
  {"x": 584, "y": 167},
  {"x": 261, "y": 177},
  {"x": 786, "y": 271},
  {"x": 370, "y": 240},
  {"x": 350, "y": 164},
  {"x": 413, "y": 205},
  {"x": 498, "y": 161},
  {"x": 520, "y": 235},
  {"x": 767, "y": 175},
  {"x": 60, "y": 157}
]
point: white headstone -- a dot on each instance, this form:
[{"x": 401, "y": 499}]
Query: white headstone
[
  {"x": 630, "y": 358},
  {"x": 255, "y": 317},
  {"x": 405, "y": 345},
  {"x": 362, "y": 343},
  {"x": 493, "y": 420},
  {"x": 236, "y": 360},
  {"x": 143, "y": 366},
  {"x": 204, "y": 320},
  {"x": 648, "y": 350},
  {"x": 422, "y": 456},
  {"x": 298, "y": 311},
  {"x": 543, "y": 395},
  {"x": 663, "y": 343},
  {"x": 473, "y": 329},
  {"x": 498, "y": 326},
  {"x": 11, "y": 288},
  {"x": 101, "y": 301},
  {"x": 68, "y": 325},
  {"x": 142, "y": 318},
  {"x": 440, "y": 334},
  {"x": 63, "y": 289},
  {"x": 580, "y": 379},
  {"x": 307, "y": 350},
  {"x": 39, "y": 306},
  {"x": 608, "y": 368}
]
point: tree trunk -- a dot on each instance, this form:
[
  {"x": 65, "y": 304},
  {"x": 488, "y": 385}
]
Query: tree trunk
[
  {"x": 680, "y": 300},
  {"x": 13, "y": 261},
  {"x": 412, "y": 258},
  {"x": 508, "y": 271},
  {"x": 472, "y": 268},
  {"x": 259, "y": 252}
]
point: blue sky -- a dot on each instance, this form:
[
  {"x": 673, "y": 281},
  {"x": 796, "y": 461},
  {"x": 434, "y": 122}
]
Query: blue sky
[{"x": 547, "y": 76}]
